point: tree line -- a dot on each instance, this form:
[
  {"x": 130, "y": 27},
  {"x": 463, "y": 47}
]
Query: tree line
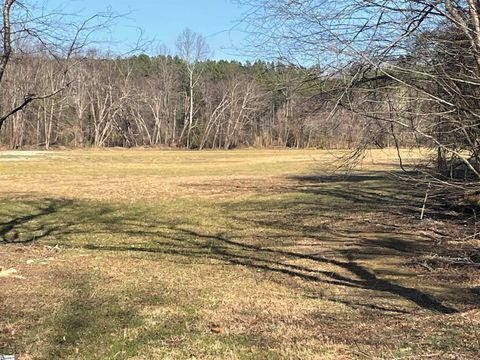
[{"x": 155, "y": 101}]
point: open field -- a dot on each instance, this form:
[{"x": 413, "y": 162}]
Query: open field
[{"x": 223, "y": 255}]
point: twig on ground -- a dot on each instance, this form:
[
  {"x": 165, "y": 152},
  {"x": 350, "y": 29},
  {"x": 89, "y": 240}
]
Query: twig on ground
[{"x": 425, "y": 202}]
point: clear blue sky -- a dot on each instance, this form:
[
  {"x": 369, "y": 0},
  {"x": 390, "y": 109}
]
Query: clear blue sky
[{"x": 163, "y": 20}]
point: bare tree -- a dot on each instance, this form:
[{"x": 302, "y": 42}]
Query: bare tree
[
  {"x": 192, "y": 48},
  {"x": 30, "y": 29}
]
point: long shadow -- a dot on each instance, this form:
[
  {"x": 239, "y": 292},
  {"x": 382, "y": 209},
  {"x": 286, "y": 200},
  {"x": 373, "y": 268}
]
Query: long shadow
[
  {"x": 260, "y": 258},
  {"x": 26, "y": 228},
  {"x": 368, "y": 280},
  {"x": 389, "y": 190},
  {"x": 274, "y": 249}
]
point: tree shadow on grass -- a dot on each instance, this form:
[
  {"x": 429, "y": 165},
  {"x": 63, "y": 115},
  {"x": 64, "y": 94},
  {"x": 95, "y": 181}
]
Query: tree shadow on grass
[
  {"x": 391, "y": 192},
  {"x": 268, "y": 260},
  {"x": 27, "y": 223},
  {"x": 278, "y": 239}
]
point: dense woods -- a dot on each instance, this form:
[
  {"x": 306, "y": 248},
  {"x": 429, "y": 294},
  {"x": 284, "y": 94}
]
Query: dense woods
[{"x": 145, "y": 101}]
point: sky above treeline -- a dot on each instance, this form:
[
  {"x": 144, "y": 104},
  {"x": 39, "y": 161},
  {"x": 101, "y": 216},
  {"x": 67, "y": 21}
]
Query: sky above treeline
[{"x": 159, "y": 22}]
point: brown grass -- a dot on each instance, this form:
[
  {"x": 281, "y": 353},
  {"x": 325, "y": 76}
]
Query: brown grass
[{"x": 235, "y": 255}]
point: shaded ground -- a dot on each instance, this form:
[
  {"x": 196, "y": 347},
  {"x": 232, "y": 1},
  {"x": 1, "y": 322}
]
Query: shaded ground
[{"x": 250, "y": 254}]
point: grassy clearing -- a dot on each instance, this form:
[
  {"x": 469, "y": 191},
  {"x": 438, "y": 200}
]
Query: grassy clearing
[{"x": 236, "y": 255}]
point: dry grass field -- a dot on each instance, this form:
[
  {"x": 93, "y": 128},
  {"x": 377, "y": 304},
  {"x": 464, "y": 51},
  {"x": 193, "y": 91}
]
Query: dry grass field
[{"x": 142, "y": 254}]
